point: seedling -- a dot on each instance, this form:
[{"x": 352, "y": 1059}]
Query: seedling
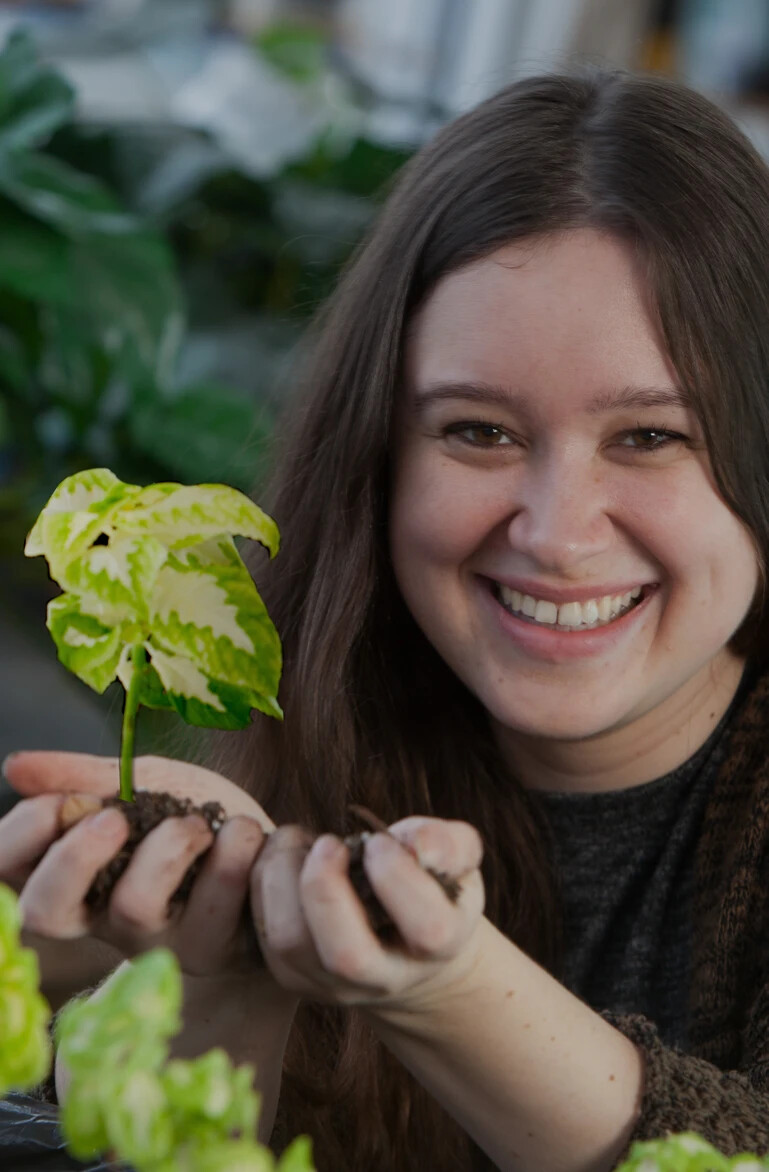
[{"x": 157, "y": 596}]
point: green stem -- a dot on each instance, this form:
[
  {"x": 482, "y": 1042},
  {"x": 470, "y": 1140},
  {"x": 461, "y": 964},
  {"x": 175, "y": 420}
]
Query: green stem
[{"x": 138, "y": 662}]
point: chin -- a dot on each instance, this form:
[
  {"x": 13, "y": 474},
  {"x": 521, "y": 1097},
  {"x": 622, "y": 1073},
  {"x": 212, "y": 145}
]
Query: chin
[{"x": 556, "y": 726}]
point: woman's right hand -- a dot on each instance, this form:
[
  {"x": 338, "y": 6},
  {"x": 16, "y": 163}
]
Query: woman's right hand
[{"x": 53, "y": 872}]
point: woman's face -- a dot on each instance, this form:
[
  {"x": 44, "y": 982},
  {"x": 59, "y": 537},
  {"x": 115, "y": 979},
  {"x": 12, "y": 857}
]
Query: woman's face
[{"x": 536, "y": 493}]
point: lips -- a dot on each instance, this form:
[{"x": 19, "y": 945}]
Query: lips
[
  {"x": 542, "y": 591},
  {"x": 555, "y": 644}
]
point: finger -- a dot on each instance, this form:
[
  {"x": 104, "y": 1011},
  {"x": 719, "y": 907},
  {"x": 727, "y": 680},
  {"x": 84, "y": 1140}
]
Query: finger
[
  {"x": 276, "y": 903},
  {"x": 214, "y": 910},
  {"x": 26, "y": 832},
  {"x": 52, "y": 902},
  {"x": 429, "y": 924},
  {"x": 448, "y": 847},
  {"x": 44, "y": 771},
  {"x": 336, "y": 919},
  {"x": 139, "y": 906}
]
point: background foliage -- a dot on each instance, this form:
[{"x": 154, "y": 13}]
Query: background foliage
[{"x": 152, "y": 292}]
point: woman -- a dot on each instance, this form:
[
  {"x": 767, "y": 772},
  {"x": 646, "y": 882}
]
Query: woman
[{"x": 536, "y": 403}]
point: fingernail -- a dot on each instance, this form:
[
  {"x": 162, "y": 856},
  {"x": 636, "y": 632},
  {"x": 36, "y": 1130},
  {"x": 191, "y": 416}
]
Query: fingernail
[
  {"x": 199, "y": 823},
  {"x": 327, "y": 847},
  {"x": 105, "y": 822},
  {"x": 382, "y": 844},
  {"x": 6, "y": 762}
]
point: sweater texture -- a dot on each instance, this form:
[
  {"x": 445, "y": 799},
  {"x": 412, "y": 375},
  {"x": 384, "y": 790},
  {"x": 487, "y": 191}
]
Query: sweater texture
[
  {"x": 719, "y": 1085},
  {"x": 625, "y": 863}
]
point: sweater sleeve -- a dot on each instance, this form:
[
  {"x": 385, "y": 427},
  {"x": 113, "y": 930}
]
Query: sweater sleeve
[{"x": 728, "y": 1108}]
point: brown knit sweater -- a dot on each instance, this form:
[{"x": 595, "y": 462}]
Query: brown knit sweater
[{"x": 720, "y": 1088}]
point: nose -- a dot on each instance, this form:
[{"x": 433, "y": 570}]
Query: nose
[{"x": 561, "y": 514}]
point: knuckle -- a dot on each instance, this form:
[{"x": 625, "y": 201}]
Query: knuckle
[
  {"x": 436, "y": 936},
  {"x": 130, "y": 916},
  {"x": 290, "y": 944},
  {"x": 317, "y": 887},
  {"x": 36, "y": 920},
  {"x": 70, "y": 852},
  {"x": 349, "y": 964},
  {"x": 186, "y": 833}
]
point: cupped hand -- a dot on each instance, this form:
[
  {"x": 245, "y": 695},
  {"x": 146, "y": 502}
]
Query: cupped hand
[
  {"x": 54, "y": 872},
  {"x": 314, "y": 932}
]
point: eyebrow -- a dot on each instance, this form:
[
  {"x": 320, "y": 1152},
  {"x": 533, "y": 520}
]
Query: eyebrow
[{"x": 621, "y": 399}]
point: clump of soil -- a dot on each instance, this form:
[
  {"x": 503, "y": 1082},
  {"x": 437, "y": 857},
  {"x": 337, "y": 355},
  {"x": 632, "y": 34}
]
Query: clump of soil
[
  {"x": 379, "y": 919},
  {"x": 143, "y": 814},
  {"x": 150, "y": 808}
]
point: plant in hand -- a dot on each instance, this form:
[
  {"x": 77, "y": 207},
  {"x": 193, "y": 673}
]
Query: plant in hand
[{"x": 157, "y": 596}]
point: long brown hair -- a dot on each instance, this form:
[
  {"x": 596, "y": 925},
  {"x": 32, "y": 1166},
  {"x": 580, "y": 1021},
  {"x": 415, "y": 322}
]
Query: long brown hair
[{"x": 372, "y": 714}]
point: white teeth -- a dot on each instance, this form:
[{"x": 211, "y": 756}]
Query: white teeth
[
  {"x": 570, "y": 614},
  {"x": 590, "y": 611},
  {"x": 588, "y": 614},
  {"x": 546, "y": 612}
]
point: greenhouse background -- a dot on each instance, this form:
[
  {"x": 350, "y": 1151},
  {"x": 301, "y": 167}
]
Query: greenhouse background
[{"x": 180, "y": 182}]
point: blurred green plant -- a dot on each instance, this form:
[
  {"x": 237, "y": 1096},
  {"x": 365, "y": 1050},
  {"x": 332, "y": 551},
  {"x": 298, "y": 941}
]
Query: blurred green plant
[
  {"x": 152, "y": 288},
  {"x": 91, "y": 323}
]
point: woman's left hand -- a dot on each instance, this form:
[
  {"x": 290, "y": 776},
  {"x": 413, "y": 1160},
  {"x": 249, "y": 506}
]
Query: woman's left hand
[{"x": 314, "y": 931}]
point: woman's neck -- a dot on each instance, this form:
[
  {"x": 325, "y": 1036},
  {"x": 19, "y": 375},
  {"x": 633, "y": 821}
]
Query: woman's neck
[{"x": 653, "y": 745}]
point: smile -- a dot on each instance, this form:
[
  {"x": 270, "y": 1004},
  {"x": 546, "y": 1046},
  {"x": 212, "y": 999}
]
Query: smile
[{"x": 569, "y": 616}]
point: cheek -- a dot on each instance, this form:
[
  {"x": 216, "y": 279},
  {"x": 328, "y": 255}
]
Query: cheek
[
  {"x": 700, "y": 545},
  {"x": 438, "y": 517}
]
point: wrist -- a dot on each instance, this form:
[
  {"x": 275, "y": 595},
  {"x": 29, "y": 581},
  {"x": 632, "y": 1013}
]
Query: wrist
[{"x": 434, "y": 998}]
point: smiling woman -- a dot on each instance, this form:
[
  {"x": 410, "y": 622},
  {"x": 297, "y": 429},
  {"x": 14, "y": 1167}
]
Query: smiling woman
[
  {"x": 578, "y": 550},
  {"x": 538, "y": 396},
  {"x": 524, "y": 503}
]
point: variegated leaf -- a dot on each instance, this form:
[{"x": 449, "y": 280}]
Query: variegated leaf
[
  {"x": 186, "y": 515},
  {"x": 79, "y": 511},
  {"x": 116, "y": 581},
  {"x": 85, "y": 646},
  {"x": 196, "y": 697},
  {"x": 212, "y": 613}
]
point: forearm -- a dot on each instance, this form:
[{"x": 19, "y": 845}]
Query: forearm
[
  {"x": 540, "y": 1081},
  {"x": 250, "y": 1019}
]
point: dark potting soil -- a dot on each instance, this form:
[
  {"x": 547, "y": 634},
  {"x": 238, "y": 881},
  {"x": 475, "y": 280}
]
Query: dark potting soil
[
  {"x": 143, "y": 814},
  {"x": 150, "y": 808}
]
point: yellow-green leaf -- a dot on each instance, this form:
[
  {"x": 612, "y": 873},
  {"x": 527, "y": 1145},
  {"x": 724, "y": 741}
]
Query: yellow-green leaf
[
  {"x": 86, "y": 646},
  {"x": 116, "y": 581},
  {"x": 185, "y": 515}
]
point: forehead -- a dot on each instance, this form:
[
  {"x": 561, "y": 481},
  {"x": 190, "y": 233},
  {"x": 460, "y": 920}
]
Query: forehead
[{"x": 569, "y": 310}]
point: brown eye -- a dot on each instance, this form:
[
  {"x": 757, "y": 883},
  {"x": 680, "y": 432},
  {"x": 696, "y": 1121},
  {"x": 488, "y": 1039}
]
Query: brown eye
[
  {"x": 653, "y": 439},
  {"x": 479, "y": 435}
]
